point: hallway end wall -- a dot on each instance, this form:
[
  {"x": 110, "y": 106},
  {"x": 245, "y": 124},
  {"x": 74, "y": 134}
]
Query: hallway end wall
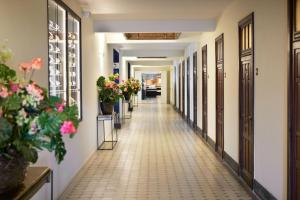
[{"x": 270, "y": 112}]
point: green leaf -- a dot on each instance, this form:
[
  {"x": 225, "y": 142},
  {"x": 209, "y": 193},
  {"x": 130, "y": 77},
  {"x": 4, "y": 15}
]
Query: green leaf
[
  {"x": 60, "y": 150},
  {"x": 13, "y": 103},
  {"x": 30, "y": 154},
  {"x": 7, "y": 74},
  {"x": 5, "y": 131}
]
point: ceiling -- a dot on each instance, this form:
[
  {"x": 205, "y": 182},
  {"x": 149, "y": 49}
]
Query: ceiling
[
  {"x": 152, "y": 46},
  {"x": 154, "y": 9}
]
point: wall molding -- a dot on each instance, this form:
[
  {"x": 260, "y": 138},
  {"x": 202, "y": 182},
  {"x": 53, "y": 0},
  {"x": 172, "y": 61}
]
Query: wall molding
[
  {"x": 261, "y": 191},
  {"x": 231, "y": 162}
]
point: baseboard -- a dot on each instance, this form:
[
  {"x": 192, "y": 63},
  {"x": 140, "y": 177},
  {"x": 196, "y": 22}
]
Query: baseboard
[
  {"x": 231, "y": 162},
  {"x": 262, "y": 192},
  {"x": 199, "y": 130},
  {"x": 211, "y": 143}
]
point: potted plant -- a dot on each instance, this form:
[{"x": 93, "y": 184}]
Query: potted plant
[
  {"x": 30, "y": 121},
  {"x": 136, "y": 85},
  {"x": 108, "y": 93},
  {"x": 126, "y": 89}
]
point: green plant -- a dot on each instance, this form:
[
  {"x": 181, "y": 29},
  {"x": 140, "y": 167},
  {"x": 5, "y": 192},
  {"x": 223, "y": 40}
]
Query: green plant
[
  {"x": 108, "y": 89},
  {"x": 30, "y": 121}
]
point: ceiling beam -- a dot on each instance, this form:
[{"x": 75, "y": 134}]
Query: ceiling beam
[{"x": 152, "y": 53}]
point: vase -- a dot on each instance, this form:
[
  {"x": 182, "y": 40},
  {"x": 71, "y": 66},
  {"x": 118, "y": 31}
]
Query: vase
[
  {"x": 12, "y": 172},
  {"x": 126, "y": 96},
  {"x": 106, "y": 108},
  {"x": 136, "y": 92}
]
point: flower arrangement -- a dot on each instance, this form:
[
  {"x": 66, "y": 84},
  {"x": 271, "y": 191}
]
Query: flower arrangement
[
  {"x": 108, "y": 89},
  {"x": 31, "y": 121},
  {"x": 126, "y": 87},
  {"x": 136, "y": 85}
]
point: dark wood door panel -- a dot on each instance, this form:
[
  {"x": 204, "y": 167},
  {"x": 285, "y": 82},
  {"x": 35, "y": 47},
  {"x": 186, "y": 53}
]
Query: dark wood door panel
[
  {"x": 188, "y": 99},
  {"x": 195, "y": 89},
  {"x": 179, "y": 87},
  {"x": 183, "y": 88},
  {"x": 219, "y": 48},
  {"x": 204, "y": 91},
  {"x": 294, "y": 101},
  {"x": 246, "y": 99}
]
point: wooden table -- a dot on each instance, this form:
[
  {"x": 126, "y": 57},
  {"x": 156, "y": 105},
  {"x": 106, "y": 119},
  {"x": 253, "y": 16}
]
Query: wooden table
[{"x": 36, "y": 177}]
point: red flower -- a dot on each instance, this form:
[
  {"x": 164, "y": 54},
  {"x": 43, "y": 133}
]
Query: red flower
[
  {"x": 68, "y": 128},
  {"x": 26, "y": 67},
  {"x": 37, "y": 63},
  {"x": 14, "y": 86},
  {"x": 60, "y": 107}
]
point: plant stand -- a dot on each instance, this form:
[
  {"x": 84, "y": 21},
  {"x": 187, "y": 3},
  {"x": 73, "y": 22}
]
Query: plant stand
[
  {"x": 34, "y": 181},
  {"x": 124, "y": 115},
  {"x": 135, "y": 100},
  {"x": 114, "y": 137}
]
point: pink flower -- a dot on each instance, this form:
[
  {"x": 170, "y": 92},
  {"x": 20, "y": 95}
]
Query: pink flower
[
  {"x": 68, "y": 128},
  {"x": 14, "y": 87},
  {"x": 35, "y": 91},
  {"x": 3, "y": 92},
  {"x": 37, "y": 63},
  {"x": 26, "y": 67},
  {"x": 60, "y": 107}
]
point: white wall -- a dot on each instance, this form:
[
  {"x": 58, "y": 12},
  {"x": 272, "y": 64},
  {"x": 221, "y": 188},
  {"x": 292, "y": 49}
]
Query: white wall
[
  {"x": 105, "y": 55},
  {"x": 270, "y": 118},
  {"x": 189, "y": 52},
  {"x": 24, "y": 24}
]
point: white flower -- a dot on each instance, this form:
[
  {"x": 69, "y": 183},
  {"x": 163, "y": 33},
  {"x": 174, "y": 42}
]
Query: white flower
[
  {"x": 22, "y": 118},
  {"x": 5, "y": 53}
]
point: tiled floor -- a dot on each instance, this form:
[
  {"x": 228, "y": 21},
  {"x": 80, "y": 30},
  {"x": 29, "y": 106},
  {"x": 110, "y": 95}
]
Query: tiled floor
[{"x": 158, "y": 157}]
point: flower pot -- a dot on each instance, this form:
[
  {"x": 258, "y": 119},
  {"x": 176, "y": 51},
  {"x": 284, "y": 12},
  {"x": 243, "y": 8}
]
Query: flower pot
[
  {"x": 106, "y": 108},
  {"x": 12, "y": 172},
  {"x": 127, "y": 96}
]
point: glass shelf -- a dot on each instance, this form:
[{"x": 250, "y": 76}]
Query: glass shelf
[{"x": 64, "y": 29}]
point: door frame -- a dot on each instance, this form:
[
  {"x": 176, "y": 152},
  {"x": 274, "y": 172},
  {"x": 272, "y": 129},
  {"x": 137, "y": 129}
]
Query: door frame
[
  {"x": 203, "y": 133},
  {"x": 220, "y": 37},
  {"x": 183, "y": 87},
  {"x": 195, "y": 88},
  {"x": 188, "y": 90},
  {"x": 246, "y": 19},
  {"x": 293, "y": 37},
  {"x": 175, "y": 86}
]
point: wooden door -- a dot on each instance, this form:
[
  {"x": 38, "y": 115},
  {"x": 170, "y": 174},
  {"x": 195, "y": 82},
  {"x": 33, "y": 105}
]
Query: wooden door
[
  {"x": 195, "y": 78},
  {"x": 183, "y": 88},
  {"x": 204, "y": 91},
  {"x": 188, "y": 92},
  {"x": 246, "y": 99},
  {"x": 175, "y": 86},
  {"x": 294, "y": 107},
  {"x": 179, "y": 87},
  {"x": 219, "y": 48}
]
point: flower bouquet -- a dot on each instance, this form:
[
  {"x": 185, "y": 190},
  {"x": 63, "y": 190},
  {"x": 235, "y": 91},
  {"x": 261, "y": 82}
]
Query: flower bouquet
[
  {"x": 136, "y": 85},
  {"x": 30, "y": 121},
  {"x": 108, "y": 93},
  {"x": 126, "y": 89}
]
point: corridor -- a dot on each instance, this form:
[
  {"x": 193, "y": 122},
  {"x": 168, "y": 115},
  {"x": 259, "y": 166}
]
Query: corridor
[{"x": 158, "y": 157}]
